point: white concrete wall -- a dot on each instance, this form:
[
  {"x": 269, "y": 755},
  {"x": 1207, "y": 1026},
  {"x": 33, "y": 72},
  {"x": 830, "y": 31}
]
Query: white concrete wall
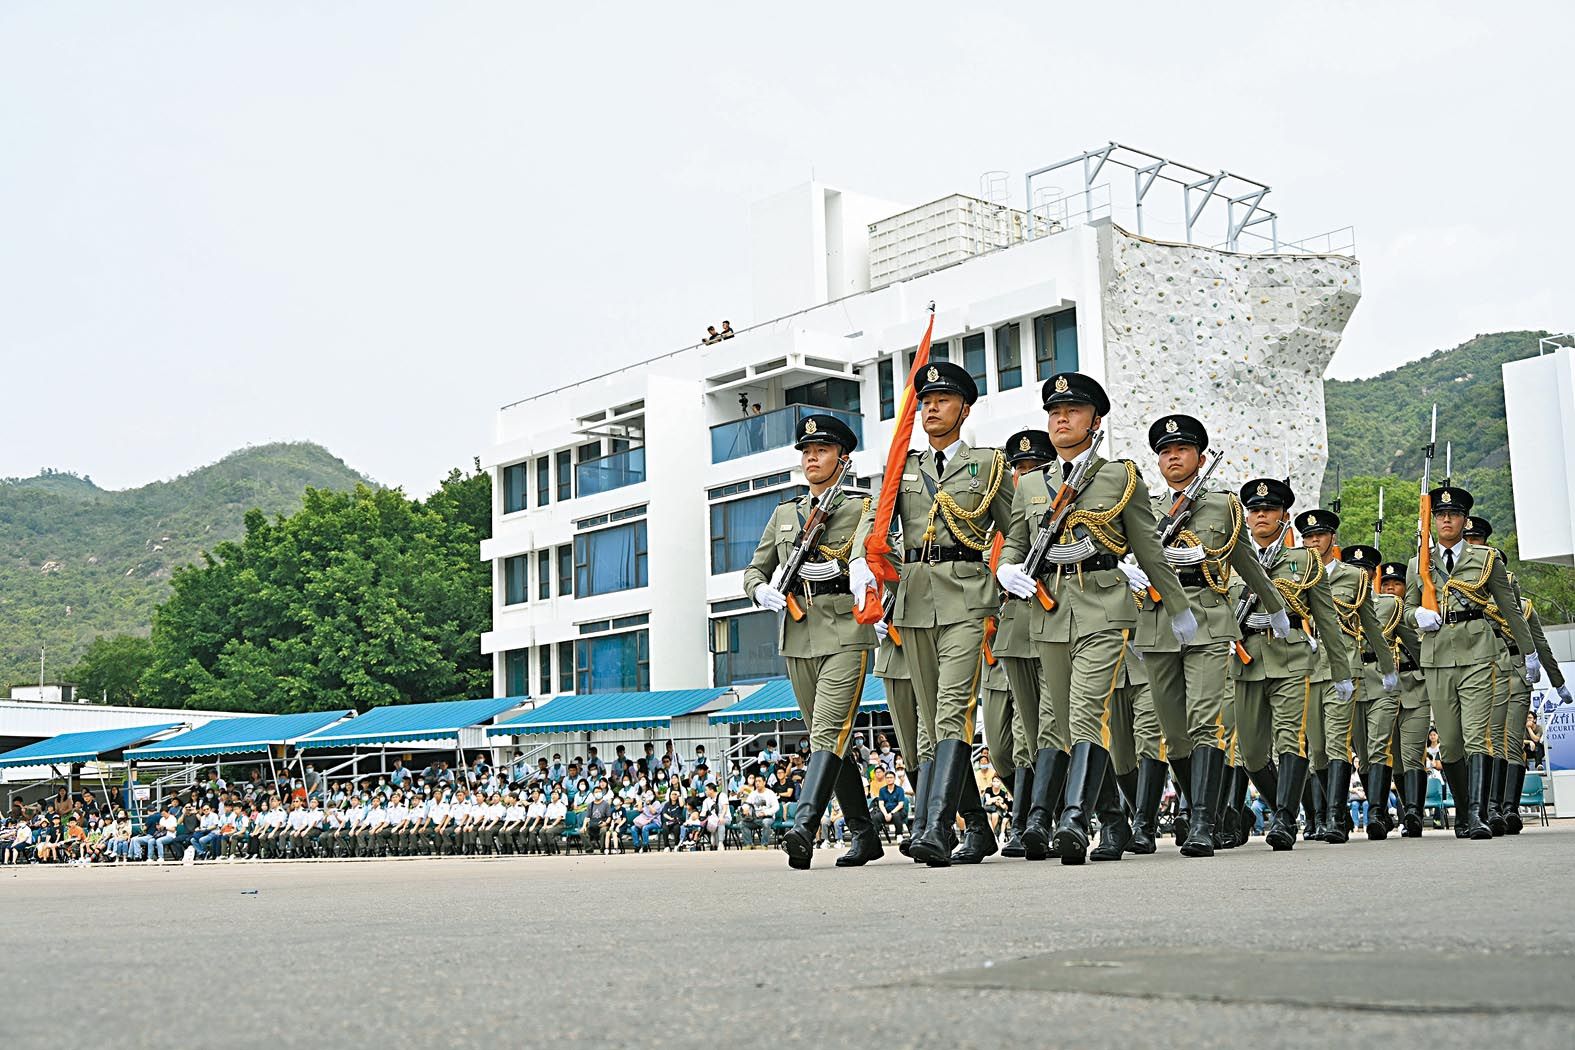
[{"x": 1539, "y": 400}]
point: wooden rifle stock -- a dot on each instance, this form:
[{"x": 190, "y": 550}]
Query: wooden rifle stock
[
  {"x": 794, "y": 609},
  {"x": 1424, "y": 553},
  {"x": 1242, "y": 654}
]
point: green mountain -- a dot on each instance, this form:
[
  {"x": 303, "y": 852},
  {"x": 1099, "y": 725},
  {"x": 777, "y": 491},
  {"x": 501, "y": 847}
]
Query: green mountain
[{"x": 77, "y": 561}]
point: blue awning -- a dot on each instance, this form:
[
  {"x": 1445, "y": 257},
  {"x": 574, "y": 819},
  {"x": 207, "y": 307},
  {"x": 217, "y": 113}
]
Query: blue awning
[
  {"x": 412, "y": 723},
  {"x": 237, "y": 736},
  {"x": 81, "y": 747},
  {"x": 602, "y": 712},
  {"x": 774, "y": 702}
]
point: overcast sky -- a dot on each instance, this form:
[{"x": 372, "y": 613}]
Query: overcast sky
[{"x": 371, "y": 224}]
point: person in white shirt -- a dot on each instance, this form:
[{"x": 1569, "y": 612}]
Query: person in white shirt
[
  {"x": 513, "y": 822},
  {"x": 369, "y": 828},
  {"x": 209, "y": 840},
  {"x": 440, "y": 821},
  {"x": 169, "y": 827},
  {"x": 293, "y": 837},
  {"x": 552, "y": 831},
  {"x": 760, "y": 812},
  {"x": 390, "y": 840}
]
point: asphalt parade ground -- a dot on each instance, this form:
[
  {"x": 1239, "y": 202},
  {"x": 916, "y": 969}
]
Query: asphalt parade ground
[{"x": 1434, "y": 943}]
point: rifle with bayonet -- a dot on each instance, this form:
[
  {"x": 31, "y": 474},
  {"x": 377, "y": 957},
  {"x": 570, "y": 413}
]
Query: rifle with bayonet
[
  {"x": 1180, "y": 512},
  {"x": 1424, "y": 520},
  {"x": 1050, "y": 524},
  {"x": 820, "y": 511},
  {"x": 1378, "y": 536}
]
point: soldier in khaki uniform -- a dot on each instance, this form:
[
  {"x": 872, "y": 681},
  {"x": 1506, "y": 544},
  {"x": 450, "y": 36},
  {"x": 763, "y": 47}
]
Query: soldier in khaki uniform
[
  {"x": 1378, "y": 693},
  {"x": 1460, "y": 652},
  {"x": 1084, "y": 640},
  {"x": 1134, "y": 737},
  {"x": 827, "y": 651},
  {"x": 1409, "y": 741},
  {"x": 1013, "y": 646},
  {"x": 1274, "y": 690},
  {"x": 1190, "y": 685},
  {"x": 1512, "y": 700},
  {"x": 951, "y": 500},
  {"x": 1350, "y": 587},
  {"x": 913, "y": 738}
]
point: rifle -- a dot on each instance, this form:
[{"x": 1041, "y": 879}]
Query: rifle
[
  {"x": 1424, "y": 522},
  {"x": 820, "y": 508},
  {"x": 1050, "y": 524},
  {"x": 1180, "y": 511},
  {"x": 1378, "y": 535},
  {"x": 1249, "y": 601},
  {"x": 1335, "y": 504}
]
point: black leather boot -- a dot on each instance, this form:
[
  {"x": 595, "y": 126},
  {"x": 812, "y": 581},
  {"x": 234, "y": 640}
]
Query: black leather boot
[
  {"x": 978, "y": 841},
  {"x": 1208, "y": 770},
  {"x": 1049, "y": 778},
  {"x": 1377, "y": 784},
  {"x": 1267, "y": 781},
  {"x": 1292, "y": 779},
  {"x": 921, "y": 784},
  {"x": 1151, "y": 775},
  {"x": 1415, "y": 799},
  {"x": 1115, "y": 830},
  {"x": 1315, "y": 807},
  {"x": 1337, "y": 796},
  {"x": 820, "y": 780},
  {"x": 1458, "y": 779},
  {"x": 1022, "y": 791},
  {"x": 1479, "y": 769},
  {"x": 952, "y": 764},
  {"x": 1182, "y": 770},
  {"x": 1236, "y": 812},
  {"x": 1224, "y": 822},
  {"x": 1084, "y": 774},
  {"x": 856, "y": 814},
  {"x": 1513, "y": 786},
  {"x": 1495, "y": 801}
]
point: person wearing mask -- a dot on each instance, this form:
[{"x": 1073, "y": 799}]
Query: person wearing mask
[{"x": 598, "y": 820}]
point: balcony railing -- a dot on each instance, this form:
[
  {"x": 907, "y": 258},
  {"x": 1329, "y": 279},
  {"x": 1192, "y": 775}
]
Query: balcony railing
[
  {"x": 775, "y": 429},
  {"x": 610, "y": 472}
]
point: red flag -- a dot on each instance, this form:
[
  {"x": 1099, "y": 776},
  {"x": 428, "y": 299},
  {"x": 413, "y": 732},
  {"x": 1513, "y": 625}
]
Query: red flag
[{"x": 878, "y": 545}]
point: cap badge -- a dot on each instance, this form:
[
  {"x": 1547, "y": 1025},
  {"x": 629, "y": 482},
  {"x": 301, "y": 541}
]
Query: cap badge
[
  {"x": 932, "y": 375},
  {"x": 1443, "y": 497},
  {"x": 1024, "y": 445},
  {"x": 809, "y": 426},
  {"x": 1061, "y": 385},
  {"x": 1170, "y": 426},
  {"x": 1263, "y": 488}
]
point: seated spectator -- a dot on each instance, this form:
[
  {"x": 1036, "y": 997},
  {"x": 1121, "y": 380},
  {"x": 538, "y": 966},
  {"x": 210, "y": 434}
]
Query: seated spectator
[
  {"x": 727, "y": 330},
  {"x": 598, "y": 816},
  {"x": 759, "y": 813},
  {"x": 1532, "y": 746},
  {"x": 1357, "y": 800},
  {"x": 997, "y": 805},
  {"x": 19, "y": 848},
  {"x": 891, "y": 808},
  {"x": 646, "y": 822},
  {"x": 672, "y": 815},
  {"x": 694, "y": 827},
  {"x": 711, "y": 335},
  {"x": 833, "y": 825},
  {"x": 551, "y": 833},
  {"x": 209, "y": 840}
]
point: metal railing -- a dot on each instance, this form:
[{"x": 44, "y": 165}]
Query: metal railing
[
  {"x": 769, "y": 430},
  {"x": 610, "y": 472}
]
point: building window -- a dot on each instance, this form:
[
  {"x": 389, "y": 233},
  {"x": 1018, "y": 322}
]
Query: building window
[
  {"x": 613, "y": 663},
  {"x": 973, "y": 360},
  {"x": 841, "y": 394},
  {"x": 612, "y": 559},
  {"x": 1008, "y": 357},
  {"x": 565, "y": 467},
  {"x": 566, "y": 667},
  {"x": 745, "y": 647},
  {"x": 888, "y": 387},
  {"x": 544, "y": 670},
  {"x": 516, "y": 672},
  {"x": 543, "y": 482},
  {"x": 515, "y": 487},
  {"x": 736, "y": 527},
  {"x": 565, "y": 570},
  {"x": 940, "y": 350},
  {"x": 544, "y": 575},
  {"x": 516, "y": 579},
  {"x": 1055, "y": 343}
]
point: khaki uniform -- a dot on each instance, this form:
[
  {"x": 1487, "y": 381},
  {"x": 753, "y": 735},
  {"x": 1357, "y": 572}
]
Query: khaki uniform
[
  {"x": 1133, "y": 730},
  {"x": 1013, "y": 647},
  {"x": 1382, "y": 712},
  {"x": 914, "y": 740},
  {"x": 1351, "y": 589},
  {"x": 827, "y": 652}
]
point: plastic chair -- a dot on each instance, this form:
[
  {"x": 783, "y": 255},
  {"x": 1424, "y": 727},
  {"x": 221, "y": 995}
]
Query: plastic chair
[
  {"x": 1533, "y": 796},
  {"x": 573, "y": 822},
  {"x": 1438, "y": 799}
]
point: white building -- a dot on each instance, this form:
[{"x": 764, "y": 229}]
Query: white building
[{"x": 627, "y": 504}]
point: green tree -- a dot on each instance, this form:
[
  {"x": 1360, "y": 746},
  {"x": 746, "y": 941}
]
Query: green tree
[
  {"x": 111, "y": 668},
  {"x": 358, "y": 600}
]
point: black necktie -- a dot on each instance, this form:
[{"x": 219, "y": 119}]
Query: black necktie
[
  {"x": 940, "y": 464},
  {"x": 1449, "y": 560},
  {"x": 1066, "y": 469}
]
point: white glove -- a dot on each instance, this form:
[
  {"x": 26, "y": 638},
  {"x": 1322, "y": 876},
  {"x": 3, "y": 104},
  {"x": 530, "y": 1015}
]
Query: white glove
[
  {"x": 1015, "y": 581},
  {"x": 1392, "y": 682},
  {"x": 880, "y": 629},
  {"x": 860, "y": 580},
  {"x": 1312, "y": 643},
  {"x": 1533, "y": 668},
  {"x": 1428, "y": 620},
  {"x": 1564, "y": 694},
  {"x": 1184, "y": 626},
  {"x": 768, "y": 597},
  {"x": 1280, "y": 624},
  {"x": 1137, "y": 579},
  {"x": 1345, "y": 689}
]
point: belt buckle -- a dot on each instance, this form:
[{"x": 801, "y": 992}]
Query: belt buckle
[{"x": 932, "y": 553}]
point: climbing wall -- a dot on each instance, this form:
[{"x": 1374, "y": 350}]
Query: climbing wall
[{"x": 1240, "y": 341}]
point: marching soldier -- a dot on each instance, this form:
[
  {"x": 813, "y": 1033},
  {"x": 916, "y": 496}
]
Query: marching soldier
[
  {"x": 1190, "y": 685},
  {"x": 1013, "y": 646},
  {"x": 1083, "y": 641},
  {"x": 1274, "y": 689},
  {"x": 1134, "y": 737},
  {"x": 914, "y": 740},
  {"x": 952, "y": 498},
  {"x": 827, "y": 650},
  {"x": 1415, "y": 717},
  {"x": 1512, "y": 700},
  {"x": 1350, "y": 588},
  {"x": 1460, "y": 651},
  {"x": 1378, "y": 694}
]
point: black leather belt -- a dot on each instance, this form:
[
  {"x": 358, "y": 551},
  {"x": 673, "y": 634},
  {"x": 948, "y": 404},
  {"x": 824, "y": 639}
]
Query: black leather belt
[
  {"x": 1192, "y": 578},
  {"x": 1514, "y": 650},
  {"x": 1407, "y": 667},
  {"x": 835, "y": 585},
  {"x": 1462, "y": 615},
  {"x": 1369, "y": 658},
  {"x": 939, "y": 554},
  {"x": 1092, "y": 563}
]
